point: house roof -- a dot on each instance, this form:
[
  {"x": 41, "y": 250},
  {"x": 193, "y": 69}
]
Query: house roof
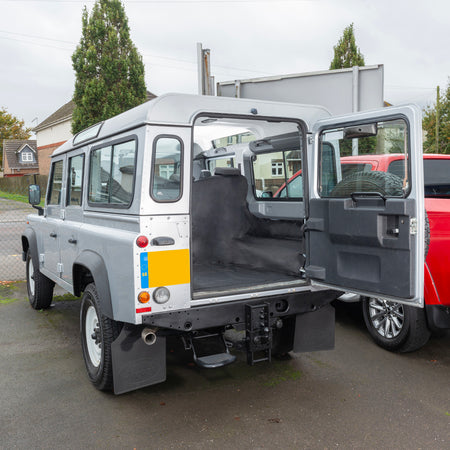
[
  {"x": 65, "y": 113},
  {"x": 11, "y": 149},
  {"x": 61, "y": 115},
  {"x": 26, "y": 145}
]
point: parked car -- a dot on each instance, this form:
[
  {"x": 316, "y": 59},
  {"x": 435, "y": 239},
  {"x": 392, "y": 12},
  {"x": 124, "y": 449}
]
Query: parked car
[
  {"x": 156, "y": 245},
  {"x": 395, "y": 326}
]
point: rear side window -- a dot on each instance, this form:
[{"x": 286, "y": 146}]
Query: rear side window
[
  {"x": 111, "y": 174},
  {"x": 75, "y": 180},
  {"x": 278, "y": 175},
  {"x": 54, "y": 192},
  {"x": 167, "y": 169},
  {"x": 398, "y": 168},
  {"x": 348, "y": 169},
  {"x": 437, "y": 177}
]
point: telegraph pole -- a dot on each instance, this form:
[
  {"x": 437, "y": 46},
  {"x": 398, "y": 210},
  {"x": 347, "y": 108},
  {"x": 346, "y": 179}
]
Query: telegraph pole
[
  {"x": 437, "y": 119},
  {"x": 205, "y": 80}
]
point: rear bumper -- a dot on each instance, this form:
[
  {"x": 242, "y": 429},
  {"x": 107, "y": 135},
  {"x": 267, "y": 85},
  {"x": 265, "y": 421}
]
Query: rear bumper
[
  {"x": 438, "y": 316},
  {"x": 233, "y": 313}
]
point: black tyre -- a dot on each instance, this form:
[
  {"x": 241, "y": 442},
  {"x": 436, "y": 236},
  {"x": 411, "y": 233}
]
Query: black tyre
[
  {"x": 97, "y": 334},
  {"x": 383, "y": 182},
  {"x": 395, "y": 327},
  {"x": 39, "y": 287}
]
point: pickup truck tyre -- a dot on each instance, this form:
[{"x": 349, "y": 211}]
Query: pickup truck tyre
[
  {"x": 39, "y": 287},
  {"x": 394, "y": 326},
  {"x": 97, "y": 334},
  {"x": 383, "y": 182}
]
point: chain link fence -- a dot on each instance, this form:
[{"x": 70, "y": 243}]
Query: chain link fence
[{"x": 14, "y": 210}]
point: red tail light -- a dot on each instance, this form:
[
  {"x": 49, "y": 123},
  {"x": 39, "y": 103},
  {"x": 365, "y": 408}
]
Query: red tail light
[{"x": 142, "y": 241}]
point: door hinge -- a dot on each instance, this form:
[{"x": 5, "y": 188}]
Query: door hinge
[
  {"x": 62, "y": 214},
  {"x": 60, "y": 268},
  {"x": 310, "y": 140},
  {"x": 413, "y": 226}
]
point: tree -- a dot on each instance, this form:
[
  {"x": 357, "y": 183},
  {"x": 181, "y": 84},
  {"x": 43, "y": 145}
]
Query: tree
[
  {"x": 11, "y": 128},
  {"x": 429, "y": 125},
  {"x": 346, "y": 53},
  {"x": 109, "y": 72}
]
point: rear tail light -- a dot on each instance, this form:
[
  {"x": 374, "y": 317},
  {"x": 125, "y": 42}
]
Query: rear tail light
[{"x": 142, "y": 241}]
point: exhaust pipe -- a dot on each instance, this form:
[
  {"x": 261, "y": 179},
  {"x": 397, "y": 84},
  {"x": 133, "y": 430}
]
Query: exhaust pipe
[{"x": 148, "y": 335}]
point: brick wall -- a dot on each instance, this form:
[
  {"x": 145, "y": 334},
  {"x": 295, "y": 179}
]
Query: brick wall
[{"x": 44, "y": 153}]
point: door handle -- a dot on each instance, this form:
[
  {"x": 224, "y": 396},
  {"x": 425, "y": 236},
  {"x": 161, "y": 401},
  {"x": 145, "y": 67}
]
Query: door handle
[
  {"x": 53, "y": 235},
  {"x": 72, "y": 241},
  {"x": 162, "y": 240}
]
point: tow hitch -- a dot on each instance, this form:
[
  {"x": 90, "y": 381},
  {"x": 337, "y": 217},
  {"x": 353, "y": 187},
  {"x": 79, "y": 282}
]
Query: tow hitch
[{"x": 258, "y": 333}]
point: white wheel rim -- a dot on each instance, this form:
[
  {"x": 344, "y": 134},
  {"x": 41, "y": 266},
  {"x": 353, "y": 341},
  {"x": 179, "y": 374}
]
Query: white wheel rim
[
  {"x": 91, "y": 324},
  {"x": 387, "y": 317},
  {"x": 31, "y": 276}
]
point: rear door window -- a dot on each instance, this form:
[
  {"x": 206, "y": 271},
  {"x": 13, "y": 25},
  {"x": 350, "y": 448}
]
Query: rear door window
[
  {"x": 167, "y": 169},
  {"x": 387, "y": 137},
  {"x": 55, "y": 188},
  {"x": 75, "y": 180}
]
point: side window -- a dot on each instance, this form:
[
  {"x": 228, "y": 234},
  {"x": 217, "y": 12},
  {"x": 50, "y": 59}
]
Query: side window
[
  {"x": 349, "y": 168},
  {"x": 111, "y": 174},
  {"x": 219, "y": 162},
  {"x": 75, "y": 180},
  {"x": 278, "y": 175},
  {"x": 167, "y": 169},
  {"x": 55, "y": 187},
  {"x": 383, "y": 140}
]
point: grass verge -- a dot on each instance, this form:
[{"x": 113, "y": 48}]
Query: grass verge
[{"x": 17, "y": 197}]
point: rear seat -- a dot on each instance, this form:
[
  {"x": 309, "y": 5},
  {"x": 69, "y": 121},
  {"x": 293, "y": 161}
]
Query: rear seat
[{"x": 225, "y": 232}]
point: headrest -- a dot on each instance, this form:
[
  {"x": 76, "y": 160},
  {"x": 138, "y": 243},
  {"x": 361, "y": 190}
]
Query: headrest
[
  {"x": 227, "y": 171},
  {"x": 204, "y": 174}
]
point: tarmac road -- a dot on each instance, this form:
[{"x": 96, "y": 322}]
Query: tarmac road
[{"x": 357, "y": 396}]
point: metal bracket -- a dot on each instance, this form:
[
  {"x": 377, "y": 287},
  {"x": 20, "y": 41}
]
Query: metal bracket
[
  {"x": 258, "y": 333},
  {"x": 413, "y": 226}
]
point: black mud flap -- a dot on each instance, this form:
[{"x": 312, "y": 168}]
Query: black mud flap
[
  {"x": 314, "y": 331},
  {"x": 136, "y": 364}
]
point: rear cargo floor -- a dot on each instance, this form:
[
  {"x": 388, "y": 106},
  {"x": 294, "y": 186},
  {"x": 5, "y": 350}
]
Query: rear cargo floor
[{"x": 211, "y": 280}]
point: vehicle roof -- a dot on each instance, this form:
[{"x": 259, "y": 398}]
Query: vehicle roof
[{"x": 182, "y": 109}]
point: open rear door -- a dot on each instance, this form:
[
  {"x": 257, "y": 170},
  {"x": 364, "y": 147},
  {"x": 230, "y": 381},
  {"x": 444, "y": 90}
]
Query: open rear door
[{"x": 366, "y": 223}]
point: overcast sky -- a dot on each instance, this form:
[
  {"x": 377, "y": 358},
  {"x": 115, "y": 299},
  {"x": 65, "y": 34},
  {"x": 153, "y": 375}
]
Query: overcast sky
[{"x": 247, "y": 39}]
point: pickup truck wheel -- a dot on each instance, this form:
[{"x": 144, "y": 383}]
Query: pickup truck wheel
[
  {"x": 394, "y": 326},
  {"x": 39, "y": 287},
  {"x": 97, "y": 334}
]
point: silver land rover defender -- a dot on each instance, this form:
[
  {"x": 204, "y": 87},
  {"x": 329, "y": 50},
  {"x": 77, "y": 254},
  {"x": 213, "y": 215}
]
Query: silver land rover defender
[{"x": 225, "y": 221}]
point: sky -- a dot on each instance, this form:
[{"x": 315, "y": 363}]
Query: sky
[{"x": 247, "y": 39}]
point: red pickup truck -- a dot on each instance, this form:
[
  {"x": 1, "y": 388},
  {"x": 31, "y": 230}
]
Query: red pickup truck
[{"x": 404, "y": 328}]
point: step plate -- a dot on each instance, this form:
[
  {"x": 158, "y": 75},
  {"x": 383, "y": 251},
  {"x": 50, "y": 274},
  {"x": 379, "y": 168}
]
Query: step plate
[{"x": 215, "y": 361}]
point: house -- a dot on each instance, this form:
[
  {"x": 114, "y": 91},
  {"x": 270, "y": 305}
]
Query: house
[
  {"x": 20, "y": 157},
  {"x": 55, "y": 130}
]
